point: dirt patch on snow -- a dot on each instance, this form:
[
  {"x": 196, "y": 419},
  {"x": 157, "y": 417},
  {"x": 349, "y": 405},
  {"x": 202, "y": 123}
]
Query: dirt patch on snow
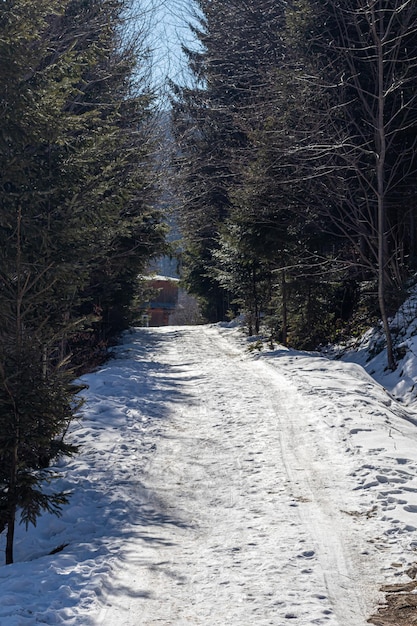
[{"x": 400, "y": 608}]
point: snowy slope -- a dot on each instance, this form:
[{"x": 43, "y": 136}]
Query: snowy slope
[
  {"x": 217, "y": 486},
  {"x": 368, "y": 351}
]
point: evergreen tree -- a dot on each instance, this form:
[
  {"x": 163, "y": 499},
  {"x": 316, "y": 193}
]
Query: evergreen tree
[
  {"x": 76, "y": 224},
  {"x": 206, "y": 136},
  {"x": 116, "y": 228},
  {"x": 36, "y": 396},
  {"x": 236, "y": 39},
  {"x": 298, "y": 157}
]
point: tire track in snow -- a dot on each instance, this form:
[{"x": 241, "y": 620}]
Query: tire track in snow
[
  {"x": 313, "y": 466},
  {"x": 319, "y": 481},
  {"x": 262, "y": 539}
]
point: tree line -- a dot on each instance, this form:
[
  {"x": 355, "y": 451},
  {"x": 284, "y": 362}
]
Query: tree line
[
  {"x": 78, "y": 221},
  {"x": 297, "y": 164}
]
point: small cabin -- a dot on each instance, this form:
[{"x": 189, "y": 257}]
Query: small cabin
[{"x": 163, "y": 301}]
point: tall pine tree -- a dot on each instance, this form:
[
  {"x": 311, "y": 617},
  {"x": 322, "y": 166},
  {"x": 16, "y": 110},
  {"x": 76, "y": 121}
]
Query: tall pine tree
[{"x": 76, "y": 223}]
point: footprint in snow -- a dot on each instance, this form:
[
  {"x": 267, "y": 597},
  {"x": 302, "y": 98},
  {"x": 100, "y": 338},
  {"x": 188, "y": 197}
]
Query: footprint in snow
[{"x": 307, "y": 554}]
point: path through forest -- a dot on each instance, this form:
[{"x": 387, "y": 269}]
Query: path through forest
[{"x": 252, "y": 515}]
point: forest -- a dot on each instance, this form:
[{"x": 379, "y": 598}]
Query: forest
[
  {"x": 78, "y": 222},
  {"x": 292, "y": 137},
  {"x": 296, "y": 164}
]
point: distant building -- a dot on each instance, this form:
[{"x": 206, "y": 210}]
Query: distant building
[{"x": 163, "y": 301}]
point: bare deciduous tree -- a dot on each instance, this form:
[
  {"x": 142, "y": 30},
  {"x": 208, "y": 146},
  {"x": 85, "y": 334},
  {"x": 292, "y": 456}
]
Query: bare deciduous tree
[{"x": 366, "y": 161}]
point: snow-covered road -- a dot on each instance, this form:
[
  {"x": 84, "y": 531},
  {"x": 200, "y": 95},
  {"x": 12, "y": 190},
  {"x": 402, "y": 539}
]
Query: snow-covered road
[
  {"x": 252, "y": 512},
  {"x": 221, "y": 486}
]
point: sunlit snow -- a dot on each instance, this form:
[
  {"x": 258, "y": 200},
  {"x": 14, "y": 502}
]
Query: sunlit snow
[{"x": 225, "y": 486}]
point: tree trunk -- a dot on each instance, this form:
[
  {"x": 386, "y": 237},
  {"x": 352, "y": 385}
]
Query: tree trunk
[
  {"x": 11, "y": 513},
  {"x": 10, "y": 535},
  {"x": 284, "y": 308},
  {"x": 381, "y": 142}
]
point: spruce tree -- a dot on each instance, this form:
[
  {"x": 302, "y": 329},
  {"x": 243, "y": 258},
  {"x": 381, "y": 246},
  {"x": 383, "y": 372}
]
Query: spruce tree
[
  {"x": 207, "y": 137},
  {"x": 75, "y": 174},
  {"x": 236, "y": 135}
]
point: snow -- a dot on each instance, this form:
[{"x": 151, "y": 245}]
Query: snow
[
  {"x": 220, "y": 485},
  {"x": 158, "y": 277},
  {"x": 402, "y": 383}
]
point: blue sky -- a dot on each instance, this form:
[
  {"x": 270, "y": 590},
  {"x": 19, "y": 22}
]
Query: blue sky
[{"x": 169, "y": 30}]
